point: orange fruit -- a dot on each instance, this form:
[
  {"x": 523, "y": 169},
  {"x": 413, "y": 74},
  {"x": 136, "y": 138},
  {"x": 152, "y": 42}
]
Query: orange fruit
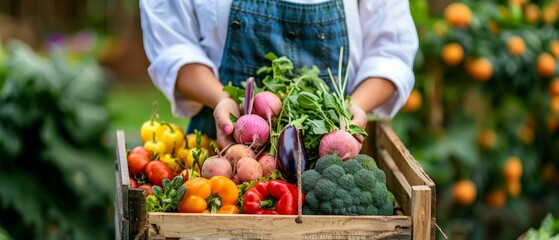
[
  {"x": 554, "y": 48},
  {"x": 504, "y": 12},
  {"x": 554, "y": 87},
  {"x": 458, "y": 14},
  {"x": 549, "y": 14},
  {"x": 496, "y": 198},
  {"x": 517, "y": 2},
  {"x": 487, "y": 139},
  {"x": 514, "y": 188},
  {"x": 548, "y": 171},
  {"x": 493, "y": 27},
  {"x": 464, "y": 192},
  {"x": 452, "y": 54},
  {"x": 480, "y": 69},
  {"x": 440, "y": 28},
  {"x": 554, "y": 104},
  {"x": 512, "y": 169},
  {"x": 414, "y": 101},
  {"x": 552, "y": 123},
  {"x": 516, "y": 45},
  {"x": 525, "y": 134},
  {"x": 532, "y": 13},
  {"x": 546, "y": 65}
]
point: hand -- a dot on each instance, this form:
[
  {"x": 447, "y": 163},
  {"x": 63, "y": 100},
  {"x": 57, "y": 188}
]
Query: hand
[
  {"x": 360, "y": 119},
  {"x": 223, "y": 124},
  {"x": 359, "y": 116}
]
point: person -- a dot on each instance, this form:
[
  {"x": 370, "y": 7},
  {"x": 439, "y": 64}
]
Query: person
[{"x": 195, "y": 47}]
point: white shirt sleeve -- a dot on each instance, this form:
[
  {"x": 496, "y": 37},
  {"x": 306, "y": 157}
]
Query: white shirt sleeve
[
  {"x": 390, "y": 43},
  {"x": 171, "y": 38}
]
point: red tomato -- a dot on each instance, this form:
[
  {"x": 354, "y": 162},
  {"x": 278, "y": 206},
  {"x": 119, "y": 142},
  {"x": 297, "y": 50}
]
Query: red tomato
[
  {"x": 137, "y": 163},
  {"x": 141, "y": 150},
  {"x": 156, "y": 171},
  {"x": 133, "y": 183},
  {"x": 146, "y": 188},
  {"x": 138, "y": 158}
]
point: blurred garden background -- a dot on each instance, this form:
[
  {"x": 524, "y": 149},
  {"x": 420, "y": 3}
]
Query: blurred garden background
[{"x": 482, "y": 120}]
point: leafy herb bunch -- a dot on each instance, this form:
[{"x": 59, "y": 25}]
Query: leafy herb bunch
[{"x": 308, "y": 103}]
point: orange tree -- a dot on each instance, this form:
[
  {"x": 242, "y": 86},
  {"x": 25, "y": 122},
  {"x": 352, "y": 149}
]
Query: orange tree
[{"x": 484, "y": 114}]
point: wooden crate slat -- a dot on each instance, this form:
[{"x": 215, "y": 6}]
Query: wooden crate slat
[
  {"x": 122, "y": 187},
  {"x": 421, "y": 212},
  {"x": 138, "y": 214},
  {"x": 387, "y": 139},
  {"x": 395, "y": 181},
  {"x": 122, "y": 158},
  {"x": 412, "y": 170},
  {"x": 278, "y": 227},
  {"x": 131, "y": 203},
  {"x": 121, "y": 222}
]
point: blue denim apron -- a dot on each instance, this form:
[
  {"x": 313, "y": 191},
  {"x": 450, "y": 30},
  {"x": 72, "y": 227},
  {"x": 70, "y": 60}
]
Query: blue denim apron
[{"x": 308, "y": 34}]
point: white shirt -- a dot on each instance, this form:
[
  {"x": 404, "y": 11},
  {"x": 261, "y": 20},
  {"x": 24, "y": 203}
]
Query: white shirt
[{"x": 382, "y": 38}]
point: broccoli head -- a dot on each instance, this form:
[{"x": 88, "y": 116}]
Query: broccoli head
[
  {"x": 327, "y": 161},
  {"x": 366, "y": 161},
  {"x": 310, "y": 176},
  {"x": 353, "y": 187},
  {"x": 352, "y": 166},
  {"x": 333, "y": 173}
]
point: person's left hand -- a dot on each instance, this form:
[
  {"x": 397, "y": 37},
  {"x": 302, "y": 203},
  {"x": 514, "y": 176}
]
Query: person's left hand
[
  {"x": 359, "y": 116},
  {"x": 360, "y": 119}
]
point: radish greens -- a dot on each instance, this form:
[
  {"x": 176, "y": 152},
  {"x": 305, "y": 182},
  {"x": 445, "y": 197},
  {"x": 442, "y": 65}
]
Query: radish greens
[{"x": 308, "y": 103}]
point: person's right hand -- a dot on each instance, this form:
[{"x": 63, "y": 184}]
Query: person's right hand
[{"x": 223, "y": 124}]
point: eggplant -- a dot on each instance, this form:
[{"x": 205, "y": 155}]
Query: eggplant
[{"x": 289, "y": 143}]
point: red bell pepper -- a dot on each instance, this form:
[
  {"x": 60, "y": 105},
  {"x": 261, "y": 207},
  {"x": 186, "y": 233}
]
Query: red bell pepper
[{"x": 272, "y": 197}]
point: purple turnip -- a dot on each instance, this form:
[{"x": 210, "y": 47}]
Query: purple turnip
[{"x": 340, "y": 143}]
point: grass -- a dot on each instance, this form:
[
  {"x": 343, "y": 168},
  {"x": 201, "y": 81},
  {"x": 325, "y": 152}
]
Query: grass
[{"x": 132, "y": 105}]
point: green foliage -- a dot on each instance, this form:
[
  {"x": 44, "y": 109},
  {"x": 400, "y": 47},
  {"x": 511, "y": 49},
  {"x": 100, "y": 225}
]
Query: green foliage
[
  {"x": 56, "y": 172},
  {"x": 549, "y": 229},
  {"x": 467, "y": 126},
  {"x": 347, "y": 188},
  {"x": 4, "y": 234}
]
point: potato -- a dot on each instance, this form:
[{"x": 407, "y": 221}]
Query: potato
[
  {"x": 248, "y": 169},
  {"x": 268, "y": 164},
  {"x": 238, "y": 151},
  {"x": 216, "y": 166}
]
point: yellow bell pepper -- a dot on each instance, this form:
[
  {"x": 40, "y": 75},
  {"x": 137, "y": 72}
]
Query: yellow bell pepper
[
  {"x": 156, "y": 148},
  {"x": 173, "y": 162},
  {"x": 148, "y": 129},
  {"x": 218, "y": 194},
  {"x": 187, "y": 156},
  {"x": 171, "y": 135}
]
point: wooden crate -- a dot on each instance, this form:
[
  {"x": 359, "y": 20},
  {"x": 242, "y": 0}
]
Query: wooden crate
[{"x": 414, "y": 214}]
